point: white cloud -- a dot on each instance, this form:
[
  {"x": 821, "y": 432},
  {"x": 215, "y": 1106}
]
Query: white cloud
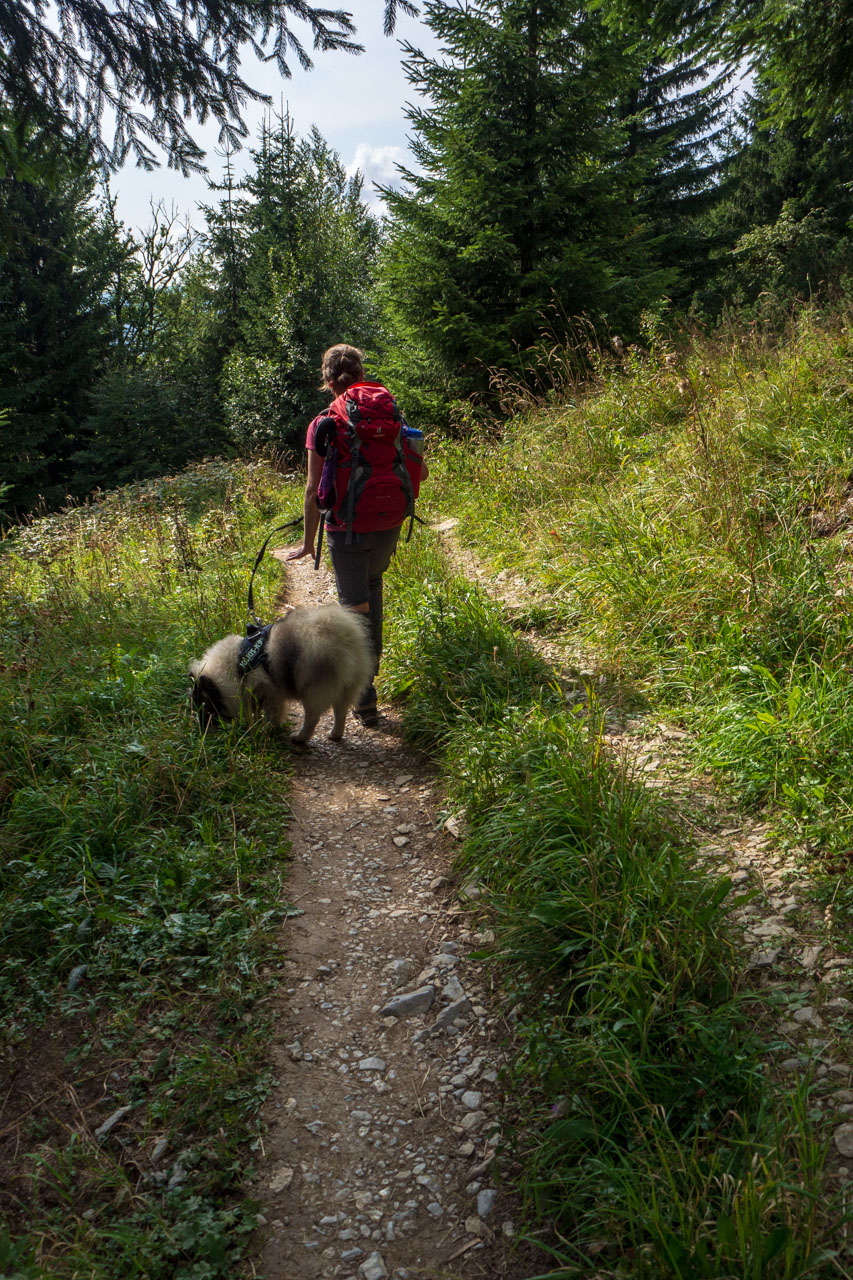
[{"x": 377, "y": 165}]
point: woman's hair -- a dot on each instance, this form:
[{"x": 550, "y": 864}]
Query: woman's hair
[{"x": 341, "y": 367}]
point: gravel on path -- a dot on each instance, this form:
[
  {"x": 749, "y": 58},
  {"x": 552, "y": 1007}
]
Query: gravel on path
[{"x": 378, "y": 1159}]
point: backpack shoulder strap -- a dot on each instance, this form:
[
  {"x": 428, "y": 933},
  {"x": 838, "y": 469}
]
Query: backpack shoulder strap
[{"x": 353, "y": 419}]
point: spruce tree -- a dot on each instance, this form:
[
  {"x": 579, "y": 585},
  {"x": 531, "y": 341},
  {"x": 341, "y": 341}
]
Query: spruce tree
[
  {"x": 785, "y": 225},
  {"x": 805, "y": 46},
  {"x": 674, "y": 118},
  {"x": 516, "y": 217},
  {"x": 149, "y": 65},
  {"x": 56, "y": 261},
  {"x": 303, "y": 246}
]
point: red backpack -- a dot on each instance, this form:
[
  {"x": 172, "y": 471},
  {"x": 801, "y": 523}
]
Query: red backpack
[{"x": 371, "y": 474}]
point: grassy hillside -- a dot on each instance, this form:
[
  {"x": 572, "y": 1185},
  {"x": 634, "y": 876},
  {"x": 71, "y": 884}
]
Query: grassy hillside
[{"x": 686, "y": 520}]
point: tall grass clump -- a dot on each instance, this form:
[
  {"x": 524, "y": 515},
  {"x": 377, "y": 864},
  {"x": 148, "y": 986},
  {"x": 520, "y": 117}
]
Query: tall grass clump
[
  {"x": 687, "y": 516},
  {"x": 643, "y": 1133},
  {"x": 449, "y": 654},
  {"x": 141, "y": 883}
]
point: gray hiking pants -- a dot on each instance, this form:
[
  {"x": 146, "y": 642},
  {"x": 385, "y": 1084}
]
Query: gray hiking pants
[{"x": 358, "y": 568}]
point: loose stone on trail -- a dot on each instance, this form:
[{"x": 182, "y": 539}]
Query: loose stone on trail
[
  {"x": 373, "y": 1268},
  {"x": 843, "y": 1138},
  {"x": 459, "y": 1009},
  {"x": 401, "y": 971},
  {"x": 486, "y": 1201},
  {"x": 110, "y": 1123},
  {"x": 372, "y": 1064},
  {"x": 281, "y": 1180},
  {"x": 409, "y": 1005}
]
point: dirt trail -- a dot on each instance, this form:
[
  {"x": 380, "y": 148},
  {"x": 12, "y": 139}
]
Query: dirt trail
[{"x": 377, "y": 1160}]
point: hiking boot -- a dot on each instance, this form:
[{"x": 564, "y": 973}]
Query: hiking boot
[{"x": 367, "y": 712}]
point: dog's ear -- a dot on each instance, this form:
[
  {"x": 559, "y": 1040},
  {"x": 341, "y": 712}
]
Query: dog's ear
[{"x": 208, "y": 701}]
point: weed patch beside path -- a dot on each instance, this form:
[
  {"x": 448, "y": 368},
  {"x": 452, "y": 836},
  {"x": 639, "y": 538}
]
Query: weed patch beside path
[
  {"x": 647, "y": 1139},
  {"x": 141, "y": 886}
]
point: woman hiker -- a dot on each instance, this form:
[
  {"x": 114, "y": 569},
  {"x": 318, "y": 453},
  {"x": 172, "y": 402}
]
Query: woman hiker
[{"x": 361, "y": 553}]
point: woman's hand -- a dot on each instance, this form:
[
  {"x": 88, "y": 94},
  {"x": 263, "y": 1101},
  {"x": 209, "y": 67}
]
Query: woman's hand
[{"x": 299, "y": 552}]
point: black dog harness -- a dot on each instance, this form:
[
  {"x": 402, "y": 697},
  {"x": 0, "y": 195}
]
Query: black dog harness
[{"x": 253, "y": 650}]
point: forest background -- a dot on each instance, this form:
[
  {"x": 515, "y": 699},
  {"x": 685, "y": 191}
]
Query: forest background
[{"x": 572, "y": 162}]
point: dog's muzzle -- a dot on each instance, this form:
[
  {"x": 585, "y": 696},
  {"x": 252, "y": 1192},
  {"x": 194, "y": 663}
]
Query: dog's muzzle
[{"x": 208, "y": 703}]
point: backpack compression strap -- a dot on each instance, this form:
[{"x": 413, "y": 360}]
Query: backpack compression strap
[{"x": 353, "y": 418}]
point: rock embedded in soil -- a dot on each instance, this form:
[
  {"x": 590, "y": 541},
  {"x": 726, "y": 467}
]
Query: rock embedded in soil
[
  {"x": 475, "y": 1226},
  {"x": 111, "y": 1121},
  {"x": 401, "y": 971},
  {"x": 453, "y": 989},
  {"x": 75, "y": 977},
  {"x": 409, "y": 1005},
  {"x": 486, "y": 1201},
  {"x": 373, "y": 1268},
  {"x": 843, "y": 1138},
  {"x": 281, "y": 1179},
  {"x": 459, "y": 1009},
  {"x": 807, "y": 1016}
]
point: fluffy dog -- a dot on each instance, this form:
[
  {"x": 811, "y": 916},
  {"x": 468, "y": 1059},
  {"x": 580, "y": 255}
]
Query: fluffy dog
[{"x": 319, "y": 657}]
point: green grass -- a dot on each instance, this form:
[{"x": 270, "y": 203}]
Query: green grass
[
  {"x": 645, "y": 1137},
  {"x": 141, "y": 884},
  {"x": 665, "y": 516}
]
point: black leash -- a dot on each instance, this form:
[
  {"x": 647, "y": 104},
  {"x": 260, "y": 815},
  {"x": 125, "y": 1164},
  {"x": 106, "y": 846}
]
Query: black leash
[
  {"x": 290, "y": 525},
  {"x": 320, "y": 529}
]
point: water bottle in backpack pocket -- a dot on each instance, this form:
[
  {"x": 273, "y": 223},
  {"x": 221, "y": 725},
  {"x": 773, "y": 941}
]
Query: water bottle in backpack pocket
[{"x": 413, "y": 443}]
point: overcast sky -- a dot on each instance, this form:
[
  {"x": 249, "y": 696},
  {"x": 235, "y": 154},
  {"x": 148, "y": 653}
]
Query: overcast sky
[{"x": 357, "y": 103}]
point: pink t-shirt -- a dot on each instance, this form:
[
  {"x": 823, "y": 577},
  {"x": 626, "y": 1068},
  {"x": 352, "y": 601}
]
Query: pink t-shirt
[{"x": 312, "y": 431}]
